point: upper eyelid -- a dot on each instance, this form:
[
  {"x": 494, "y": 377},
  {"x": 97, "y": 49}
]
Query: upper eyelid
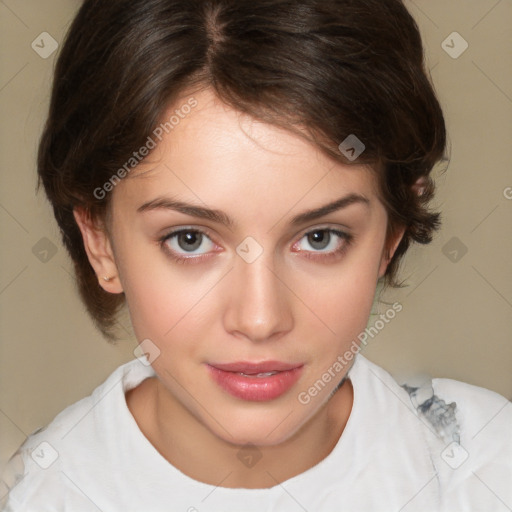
[
  {"x": 176, "y": 231},
  {"x": 325, "y": 227},
  {"x": 206, "y": 231}
]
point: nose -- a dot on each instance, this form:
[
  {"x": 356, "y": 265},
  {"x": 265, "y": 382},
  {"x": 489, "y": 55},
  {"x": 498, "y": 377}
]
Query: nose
[{"x": 258, "y": 306}]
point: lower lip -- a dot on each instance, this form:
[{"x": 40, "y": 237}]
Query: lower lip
[{"x": 256, "y": 389}]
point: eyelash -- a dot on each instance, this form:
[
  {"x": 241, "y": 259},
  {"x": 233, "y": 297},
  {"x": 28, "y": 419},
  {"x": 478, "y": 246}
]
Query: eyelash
[{"x": 328, "y": 256}]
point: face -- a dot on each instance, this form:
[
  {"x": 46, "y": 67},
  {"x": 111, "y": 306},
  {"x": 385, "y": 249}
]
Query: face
[{"x": 230, "y": 274}]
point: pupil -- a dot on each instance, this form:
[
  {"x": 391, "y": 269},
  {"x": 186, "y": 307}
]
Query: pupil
[
  {"x": 191, "y": 241},
  {"x": 320, "y": 239}
]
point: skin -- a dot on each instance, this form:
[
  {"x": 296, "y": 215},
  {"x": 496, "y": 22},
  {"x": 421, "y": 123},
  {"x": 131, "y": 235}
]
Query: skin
[{"x": 284, "y": 306}]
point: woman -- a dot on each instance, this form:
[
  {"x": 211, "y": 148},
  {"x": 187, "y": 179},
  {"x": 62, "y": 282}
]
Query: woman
[{"x": 243, "y": 175}]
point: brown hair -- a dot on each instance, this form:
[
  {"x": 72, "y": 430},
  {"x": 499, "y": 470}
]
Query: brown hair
[{"x": 335, "y": 67}]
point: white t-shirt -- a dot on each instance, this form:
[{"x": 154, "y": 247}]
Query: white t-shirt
[{"x": 93, "y": 457}]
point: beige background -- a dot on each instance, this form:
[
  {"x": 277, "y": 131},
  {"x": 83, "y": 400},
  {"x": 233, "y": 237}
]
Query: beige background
[{"x": 457, "y": 316}]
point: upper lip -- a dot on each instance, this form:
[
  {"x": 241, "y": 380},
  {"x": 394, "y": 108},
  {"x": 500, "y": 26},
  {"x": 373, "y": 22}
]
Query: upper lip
[{"x": 253, "y": 368}]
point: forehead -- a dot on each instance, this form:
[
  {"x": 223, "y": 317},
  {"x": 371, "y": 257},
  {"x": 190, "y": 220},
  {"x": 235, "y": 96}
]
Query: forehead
[{"x": 217, "y": 154}]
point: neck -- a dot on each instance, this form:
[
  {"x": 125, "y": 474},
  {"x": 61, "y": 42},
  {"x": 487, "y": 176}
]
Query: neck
[{"x": 194, "y": 450}]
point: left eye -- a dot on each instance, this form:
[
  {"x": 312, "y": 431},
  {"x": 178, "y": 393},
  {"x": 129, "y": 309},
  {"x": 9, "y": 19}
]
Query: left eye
[{"x": 322, "y": 240}]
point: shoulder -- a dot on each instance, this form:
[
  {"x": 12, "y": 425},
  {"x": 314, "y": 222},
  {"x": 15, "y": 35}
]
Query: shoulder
[
  {"x": 476, "y": 472},
  {"x": 481, "y": 412},
  {"x": 469, "y": 435},
  {"x": 41, "y": 472},
  {"x": 484, "y": 419},
  {"x": 467, "y": 431},
  {"x": 478, "y": 412}
]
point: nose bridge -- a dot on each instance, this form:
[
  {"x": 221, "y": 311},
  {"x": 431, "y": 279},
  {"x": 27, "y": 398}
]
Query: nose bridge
[{"x": 259, "y": 305}]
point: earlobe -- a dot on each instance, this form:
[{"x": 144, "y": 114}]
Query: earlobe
[{"x": 99, "y": 250}]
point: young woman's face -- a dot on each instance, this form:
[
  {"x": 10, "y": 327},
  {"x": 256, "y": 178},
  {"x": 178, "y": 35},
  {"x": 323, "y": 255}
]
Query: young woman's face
[{"x": 273, "y": 285}]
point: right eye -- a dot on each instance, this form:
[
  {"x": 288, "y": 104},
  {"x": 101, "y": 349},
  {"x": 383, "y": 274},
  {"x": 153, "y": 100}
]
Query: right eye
[{"x": 181, "y": 242}]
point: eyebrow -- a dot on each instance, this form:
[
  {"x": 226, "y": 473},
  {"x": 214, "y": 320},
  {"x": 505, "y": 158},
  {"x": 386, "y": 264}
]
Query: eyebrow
[{"x": 221, "y": 217}]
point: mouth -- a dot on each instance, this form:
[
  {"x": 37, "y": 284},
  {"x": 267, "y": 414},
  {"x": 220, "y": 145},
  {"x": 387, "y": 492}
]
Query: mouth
[{"x": 257, "y": 382}]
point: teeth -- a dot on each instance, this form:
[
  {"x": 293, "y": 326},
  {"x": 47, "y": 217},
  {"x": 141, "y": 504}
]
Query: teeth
[{"x": 266, "y": 374}]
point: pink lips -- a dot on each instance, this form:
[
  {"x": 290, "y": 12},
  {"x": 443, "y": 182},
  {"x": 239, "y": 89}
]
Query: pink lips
[{"x": 248, "y": 381}]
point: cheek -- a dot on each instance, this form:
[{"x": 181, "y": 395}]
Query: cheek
[
  {"x": 343, "y": 308},
  {"x": 166, "y": 301},
  {"x": 157, "y": 306},
  {"x": 149, "y": 295},
  {"x": 341, "y": 299}
]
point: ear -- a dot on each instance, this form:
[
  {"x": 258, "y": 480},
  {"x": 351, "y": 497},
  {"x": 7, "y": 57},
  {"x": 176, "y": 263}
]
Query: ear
[
  {"x": 99, "y": 250},
  {"x": 389, "y": 250},
  {"x": 391, "y": 245},
  {"x": 420, "y": 185}
]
